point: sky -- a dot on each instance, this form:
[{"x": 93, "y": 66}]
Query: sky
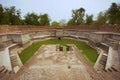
[{"x": 58, "y": 9}]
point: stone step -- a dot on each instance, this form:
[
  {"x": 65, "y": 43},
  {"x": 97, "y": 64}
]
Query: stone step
[
  {"x": 13, "y": 60},
  {"x": 114, "y": 69},
  {"x": 110, "y": 70},
  {"x": 4, "y": 71},
  {"x": 2, "y": 68},
  {"x": 103, "y": 62}
]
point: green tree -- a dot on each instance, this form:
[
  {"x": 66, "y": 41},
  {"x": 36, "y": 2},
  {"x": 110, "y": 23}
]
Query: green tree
[
  {"x": 113, "y": 13},
  {"x": 31, "y": 19},
  {"x": 6, "y": 16},
  {"x": 17, "y": 18},
  {"x": 89, "y": 19},
  {"x": 118, "y": 15},
  {"x": 11, "y": 16},
  {"x": 101, "y": 18},
  {"x": 55, "y": 24},
  {"x": 78, "y": 16},
  {"x": 1, "y": 13},
  {"x": 62, "y": 22},
  {"x": 70, "y": 22},
  {"x": 44, "y": 20}
]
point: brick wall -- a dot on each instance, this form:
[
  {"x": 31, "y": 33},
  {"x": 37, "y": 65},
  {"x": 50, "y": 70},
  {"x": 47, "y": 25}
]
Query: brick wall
[{"x": 12, "y": 28}]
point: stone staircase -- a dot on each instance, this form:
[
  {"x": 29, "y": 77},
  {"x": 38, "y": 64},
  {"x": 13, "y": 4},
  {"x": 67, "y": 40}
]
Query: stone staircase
[
  {"x": 103, "y": 62},
  {"x": 103, "y": 47},
  {"x": 13, "y": 61},
  {"x": 5, "y": 74},
  {"x": 112, "y": 69}
]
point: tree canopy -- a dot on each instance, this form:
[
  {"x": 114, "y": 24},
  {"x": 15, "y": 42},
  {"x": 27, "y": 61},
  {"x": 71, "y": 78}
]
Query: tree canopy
[
  {"x": 114, "y": 14},
  {"x": 31, "y": 19},
  {"x": 55, "y": 24},
  {"x": 44, "y": 20},
  {"x": 89, "y": 19},
  {"x": 78, "y": 16},
  {"x": 12, "y": 16}
]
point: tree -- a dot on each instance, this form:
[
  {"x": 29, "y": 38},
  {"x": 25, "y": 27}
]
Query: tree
[
  {"x": 78, "y": 16},
  {"x": 118, "y": 15},
  {"x": 14, "y": 16},
  {"x": 17, "y": 18},
  {"x": 55, "y": 24},
  {"x": 89, "y": 19},
  {"x": 32, "y": 19},
  {"x": 5, "y": 17},
  {"x": 11, "y": 16},
  {"x": 62, "y": 22},
  {"x": 101, "y": 19},
  {"x": 1, "y": 13},
  {"x": 113, "y": 13},
  {"x": 44, "y": 20},
  {"x": 70, "y": 22}
]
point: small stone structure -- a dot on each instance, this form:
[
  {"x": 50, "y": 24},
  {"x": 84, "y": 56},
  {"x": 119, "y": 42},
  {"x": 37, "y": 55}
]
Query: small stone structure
[{"x": 60, "y": 48}]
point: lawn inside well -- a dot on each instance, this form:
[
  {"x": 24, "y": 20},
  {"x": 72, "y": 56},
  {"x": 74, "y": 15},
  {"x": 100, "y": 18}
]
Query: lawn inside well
[{"x": 89, "y": 53}]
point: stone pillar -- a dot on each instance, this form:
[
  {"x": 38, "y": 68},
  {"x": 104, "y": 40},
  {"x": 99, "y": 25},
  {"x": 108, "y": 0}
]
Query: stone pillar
[{"x": 113, "y": 59}]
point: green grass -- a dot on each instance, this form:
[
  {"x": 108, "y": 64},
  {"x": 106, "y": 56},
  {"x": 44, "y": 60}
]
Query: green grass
[
  {"x": 64, "y": 48},
  {"x": 89, "y": 53}
]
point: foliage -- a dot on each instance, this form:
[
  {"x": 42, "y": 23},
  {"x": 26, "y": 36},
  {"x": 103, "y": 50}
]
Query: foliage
[
  {"x": 31, "y": 19},
  {"x": 10, "y": 16},
  {"x": 110, "y": 16},
  {"x": 101, "y": 19},
  {"x": 1, "y": 13},
  {"x": 70, "y": 22},
  {"x": 34, "y": 19},
  {"x": 114, "y": 14},
  {"x": 89, "y": 19},
  {"x": 62, "y": 22},
  {"x": 55, "y": 24},
  {"x": 89, "y": 53},
  {"x": 44, "y": 20},
  {"x": 78, "y": 16}
]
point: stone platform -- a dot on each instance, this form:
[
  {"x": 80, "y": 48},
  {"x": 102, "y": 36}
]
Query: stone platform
[{"x": 49, "y": 64}]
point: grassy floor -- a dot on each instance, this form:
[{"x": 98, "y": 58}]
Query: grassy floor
[{"x": 89, "y": 53}]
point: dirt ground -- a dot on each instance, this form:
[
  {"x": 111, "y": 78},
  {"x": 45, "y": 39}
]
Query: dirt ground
[{"x": 49, "y": 64}]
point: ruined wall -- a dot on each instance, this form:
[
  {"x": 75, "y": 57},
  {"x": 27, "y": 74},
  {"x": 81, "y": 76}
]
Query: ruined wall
[
  {"x": 4, "y": 41},
  {"x": 116, "y": 37},
  {"x": 16, "y": 38},
  {"x": 25, "y": 38},
  {"x": 13, "y": 28},
  {"x": 3, "y": 38},
  {"x": 95, "y": 37},
  {"x": 24, "y": 34}
]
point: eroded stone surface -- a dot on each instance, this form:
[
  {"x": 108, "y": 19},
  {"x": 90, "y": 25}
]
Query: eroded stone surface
[{"x": 55, "y": 65}]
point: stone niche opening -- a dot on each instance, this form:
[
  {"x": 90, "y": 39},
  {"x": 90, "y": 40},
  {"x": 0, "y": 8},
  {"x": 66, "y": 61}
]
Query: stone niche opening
[{"x": 59, "y": 38}]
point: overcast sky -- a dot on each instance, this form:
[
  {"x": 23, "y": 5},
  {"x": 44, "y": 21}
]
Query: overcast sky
[{"x": 59, "y": 9}]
